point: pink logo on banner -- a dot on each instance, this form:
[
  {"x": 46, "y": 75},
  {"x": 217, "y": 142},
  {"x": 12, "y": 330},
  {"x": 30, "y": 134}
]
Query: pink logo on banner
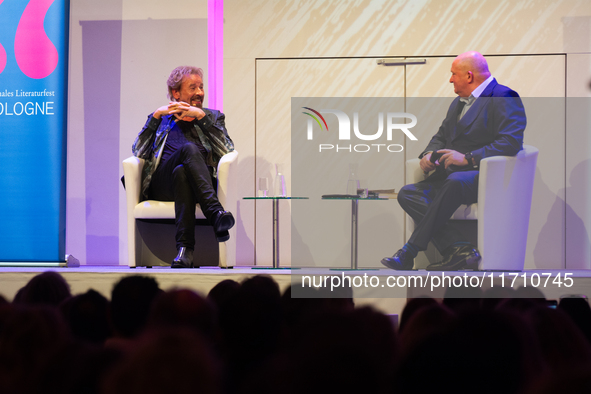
[
  {"x": 2, "y": 58},
  {"x": 2, "y": 54},
  {"x": 35, "y": 54}
]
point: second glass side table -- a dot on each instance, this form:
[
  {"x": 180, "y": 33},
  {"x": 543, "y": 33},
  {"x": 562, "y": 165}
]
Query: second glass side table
[
  {"x": 275, "y": 222},
  {"x": 354, "y": 221}
]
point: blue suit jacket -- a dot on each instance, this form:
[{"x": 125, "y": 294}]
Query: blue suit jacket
[{"x": 493, "y": 126}]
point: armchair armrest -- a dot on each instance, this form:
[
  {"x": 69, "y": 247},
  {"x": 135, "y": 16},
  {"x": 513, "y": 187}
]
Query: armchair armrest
[
  {"x": 505, "y": 192},
  {"x": 226, "y": 175},
  {"x": 506, "y": 182},
  {"x": 414, "y": 173},
  {"x": 132, "y": 170}
]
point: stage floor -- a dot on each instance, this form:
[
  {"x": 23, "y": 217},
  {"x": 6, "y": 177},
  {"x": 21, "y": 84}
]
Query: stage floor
[{"x": 202, "y": 280}]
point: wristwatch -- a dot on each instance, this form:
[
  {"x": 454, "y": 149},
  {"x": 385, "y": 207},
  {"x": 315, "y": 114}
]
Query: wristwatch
[{"x": 468, "y": 157}]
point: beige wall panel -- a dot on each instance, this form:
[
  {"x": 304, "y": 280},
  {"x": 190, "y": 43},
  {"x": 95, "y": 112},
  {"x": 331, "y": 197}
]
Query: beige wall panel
[
  {"x": 535, "y": 79},
  {"x": 578, "y": 162},
  {"x": 268, "y": 28},
  {"x": 161, "y": 9},
  {"x": 277, "y": 82},
  {"x": 430, "y": 79},
  {"x": 578, "y": 75},
  {"x": 530, "y": 76},
  {"x": 546, "y": 131},
  {"x": 577, "y": 33},
  {"x": 577, "y": 189},
  {"x": 239, "y": 98}
]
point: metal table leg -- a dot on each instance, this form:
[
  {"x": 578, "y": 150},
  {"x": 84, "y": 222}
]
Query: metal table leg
[
  {"x": 354, "y": 215},
  {"x": 275, "y": 233}
]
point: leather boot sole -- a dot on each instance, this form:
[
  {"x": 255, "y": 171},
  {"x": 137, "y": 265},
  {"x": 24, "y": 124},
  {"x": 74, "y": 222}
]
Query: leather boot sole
[
  {"x": 222, "y": 236},
  {"x": 224, "y": 222},
  {"x": 456, "y": 263}
]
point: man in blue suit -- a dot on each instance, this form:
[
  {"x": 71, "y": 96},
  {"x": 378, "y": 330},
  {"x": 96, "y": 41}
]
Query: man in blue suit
[{"x": 486, "y": 119}]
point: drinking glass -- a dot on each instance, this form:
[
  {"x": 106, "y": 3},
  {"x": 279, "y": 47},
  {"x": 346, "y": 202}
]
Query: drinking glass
[{"x": 263, "y": 187}]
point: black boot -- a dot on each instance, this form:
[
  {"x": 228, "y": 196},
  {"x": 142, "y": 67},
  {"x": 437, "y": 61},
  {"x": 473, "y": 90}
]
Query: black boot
[
  {"x": 184, "y": 259},
  {"x": 222, "y": 221}
]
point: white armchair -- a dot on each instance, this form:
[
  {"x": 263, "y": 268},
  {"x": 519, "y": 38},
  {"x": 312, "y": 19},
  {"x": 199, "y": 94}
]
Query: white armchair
[
  {"x": 505, "y": 190},
  {"x": 151, "y": 212}
]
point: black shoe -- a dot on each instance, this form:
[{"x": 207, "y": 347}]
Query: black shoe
[
  {"x": 402, "y": 260},
  {"x": 222, "y": 222},
  {"x": 456, "y": 258},
  {"x": 184, "y": 259}
]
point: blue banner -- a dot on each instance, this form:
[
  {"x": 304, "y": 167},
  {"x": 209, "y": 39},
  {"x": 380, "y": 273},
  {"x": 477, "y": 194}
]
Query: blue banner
[{"x": 33, "y": 123}]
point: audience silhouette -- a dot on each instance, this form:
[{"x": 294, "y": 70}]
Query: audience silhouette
[{"x": 248, "y": 337}]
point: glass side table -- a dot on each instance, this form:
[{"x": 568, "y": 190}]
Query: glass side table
[
  {"x": 275, "y": 222},
  {"x": 354, "y": 221}
]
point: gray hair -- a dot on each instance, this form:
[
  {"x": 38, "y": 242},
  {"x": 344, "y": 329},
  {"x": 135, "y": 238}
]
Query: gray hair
[{"x": 176, "y": 78}]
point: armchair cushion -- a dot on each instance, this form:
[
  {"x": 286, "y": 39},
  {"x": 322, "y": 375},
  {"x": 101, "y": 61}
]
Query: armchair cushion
[{"x": 152, "y": 209}]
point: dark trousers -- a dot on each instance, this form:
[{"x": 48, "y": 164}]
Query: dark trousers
[
  {"x": 433, "y": 201},
  {"x": 186, "y": 179}
]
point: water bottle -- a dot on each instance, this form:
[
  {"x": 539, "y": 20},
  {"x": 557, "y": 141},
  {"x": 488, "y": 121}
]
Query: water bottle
[
  {"x": 352, "y": 182},
  {"x": 279, "y": 183}
]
